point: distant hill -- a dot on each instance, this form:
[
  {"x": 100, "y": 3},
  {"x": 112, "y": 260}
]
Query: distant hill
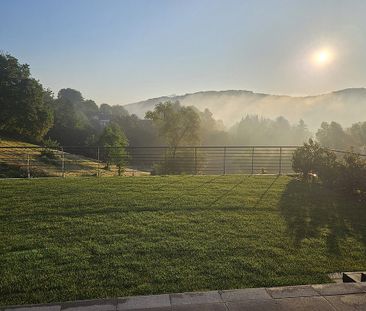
[{"x": 345, "y": 106}]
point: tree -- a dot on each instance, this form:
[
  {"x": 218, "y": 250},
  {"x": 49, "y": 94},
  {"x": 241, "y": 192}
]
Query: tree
[
  {"x": 139, "y": 132},
  {"x": 89, "y": 108},
  {"x": 358, "y": 134},
  {"x": 72, "y": 95},
  {"x": 332, "y": 135},
  {"x": 302, "y": 133},
  {"x": 24, "y": 104},
  {"x": 114, "y": 142},
  {"x": 76, "y": 119},
  {"x": 68, "y": 128},
  {"x": 255, "y": 130},
  {"x": 119, "y": 111},
  {"x": 178, "y": 125},
  {"x": 105, "y": 111},
  {"x": 212, "y": 131}
]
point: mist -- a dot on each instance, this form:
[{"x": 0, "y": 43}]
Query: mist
[{"x": 345, "y": 106}]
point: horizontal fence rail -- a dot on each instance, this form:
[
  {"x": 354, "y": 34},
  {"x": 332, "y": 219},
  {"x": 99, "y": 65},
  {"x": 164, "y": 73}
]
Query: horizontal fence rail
[{"x": 20, "y": 161}]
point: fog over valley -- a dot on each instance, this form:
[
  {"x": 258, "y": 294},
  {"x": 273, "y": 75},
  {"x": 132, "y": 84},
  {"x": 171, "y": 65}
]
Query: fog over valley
[{"x": 344, "y": 106}]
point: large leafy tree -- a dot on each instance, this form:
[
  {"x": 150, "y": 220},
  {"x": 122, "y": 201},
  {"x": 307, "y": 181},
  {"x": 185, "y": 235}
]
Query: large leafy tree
[
  {"x": 114, "y": 141},
  {"x": 24, "y": 104},
  {"x": 332, "y": 135},
  {"x": 178, "y": 125},
  {"x": 139, "y": 132},
  {"x": 358, "y": 133},
  {"x": 76, "y": 119},
  {"x": 72, "y": 95}
]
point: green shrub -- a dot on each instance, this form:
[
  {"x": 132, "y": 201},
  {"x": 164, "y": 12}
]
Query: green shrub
[
  {"x": 347, "y": 174},
  {"x": 12, "y": 171},
  {"x": 50, "y": 149},
  {"x": 327, "y": 167},
  {"x": 308, "y": 159},
  {"x": 352, "y": 177},
  {"x": 180, "y": 162}
]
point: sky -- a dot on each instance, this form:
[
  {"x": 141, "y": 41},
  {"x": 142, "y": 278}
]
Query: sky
[{"x": 123, "y": 51}]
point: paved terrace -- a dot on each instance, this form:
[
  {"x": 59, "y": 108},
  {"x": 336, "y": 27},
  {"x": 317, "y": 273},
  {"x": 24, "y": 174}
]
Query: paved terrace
[{"x": 344, "y": 296}]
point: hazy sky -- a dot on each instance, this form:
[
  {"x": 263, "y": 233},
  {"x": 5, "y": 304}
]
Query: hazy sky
[{"x": 121, "y": 51}]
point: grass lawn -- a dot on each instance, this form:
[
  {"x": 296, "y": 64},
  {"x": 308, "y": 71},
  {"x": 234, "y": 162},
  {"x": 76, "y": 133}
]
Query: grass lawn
[{"x": 68, "y": 239}]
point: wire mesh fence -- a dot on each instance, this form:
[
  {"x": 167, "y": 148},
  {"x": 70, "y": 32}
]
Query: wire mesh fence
[{"x": 133, "y": 161}]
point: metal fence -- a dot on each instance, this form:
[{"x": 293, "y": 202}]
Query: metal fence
[
  {"x": 21, "y": 161},
  {"x": 26, "y": 161}
]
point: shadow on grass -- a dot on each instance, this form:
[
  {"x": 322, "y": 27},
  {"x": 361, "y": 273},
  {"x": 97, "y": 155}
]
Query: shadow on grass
[
  {"x": 228, "y": 191},
  {"x": 311, "y": 210},
  {"x": 265, "y": 192},
  {"x": 180, "y": 180},
  {"x": 192, "y": 190}
]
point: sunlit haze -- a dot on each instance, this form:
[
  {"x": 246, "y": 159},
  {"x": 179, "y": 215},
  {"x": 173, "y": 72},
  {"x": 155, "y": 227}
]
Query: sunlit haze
[
  {"x": 323, "y": 57},
  {"x": 120, "y": 52}
]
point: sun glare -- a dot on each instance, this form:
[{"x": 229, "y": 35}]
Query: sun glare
[{"x": 322, "y": 57}]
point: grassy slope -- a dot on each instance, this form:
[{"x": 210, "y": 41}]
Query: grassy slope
[
  {"x": 75, "y": 165},
  {"x": 66, "y": 239}
]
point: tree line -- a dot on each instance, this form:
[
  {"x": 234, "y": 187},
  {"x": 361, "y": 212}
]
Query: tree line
[{"x": 30, "y": 112}]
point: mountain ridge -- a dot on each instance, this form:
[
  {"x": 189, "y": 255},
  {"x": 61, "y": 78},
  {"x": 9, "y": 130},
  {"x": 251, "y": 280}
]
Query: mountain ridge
[{"x": 232, "y": 105}]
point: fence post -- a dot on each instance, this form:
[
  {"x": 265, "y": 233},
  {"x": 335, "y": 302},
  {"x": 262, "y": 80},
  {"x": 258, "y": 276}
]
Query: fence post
[
  {"x": 98, "y": 173},
  {"x": 165, "y": 163},
  {"x": 252, "y": 160},
  {"x": 28, "y": 166},
  {"x": 63, "y": 162},
  {"x": 280, "y": 164},
  {"x": 224, "y": 160},
  {"x": 195, "y": 160}
]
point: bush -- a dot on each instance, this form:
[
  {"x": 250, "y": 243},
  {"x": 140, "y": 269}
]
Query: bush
[
  {"x": 347, "y": 174},
  {"x": 352, "y": 177},
  {"x": 308, "y": 159},
  {"x": 183, "y": 161},
  {"x": 12, "y": 171},
  {"x": 50, "y": 150},
  {"x": 326, "y": 167}
]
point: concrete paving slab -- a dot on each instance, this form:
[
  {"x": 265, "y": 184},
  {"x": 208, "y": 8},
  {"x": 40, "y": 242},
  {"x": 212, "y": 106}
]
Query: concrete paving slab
[
  {"x": 245, "y": 294},
  {"x": 153, "y": 309},
  {"x": 254, "y": 305},
  {"x": 201, "y": 307},
  {"x": 143, "y": 302},
  {"x": 348, "y": 302},
  {"x": 292, "y": 291},
  {"x": 90, "y": 305},
  {"x": 305, "y": 304},
  {"x": 195, "y": 298},
  {"x": 34, "y": 308},
  {"x": 339, "y": 289}
]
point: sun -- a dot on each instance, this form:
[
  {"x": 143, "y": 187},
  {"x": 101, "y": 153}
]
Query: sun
[{"x": 322, "y": 57}]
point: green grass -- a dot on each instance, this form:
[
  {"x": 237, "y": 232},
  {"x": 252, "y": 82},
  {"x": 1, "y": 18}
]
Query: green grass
[{"x": 67, "y": 239}]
